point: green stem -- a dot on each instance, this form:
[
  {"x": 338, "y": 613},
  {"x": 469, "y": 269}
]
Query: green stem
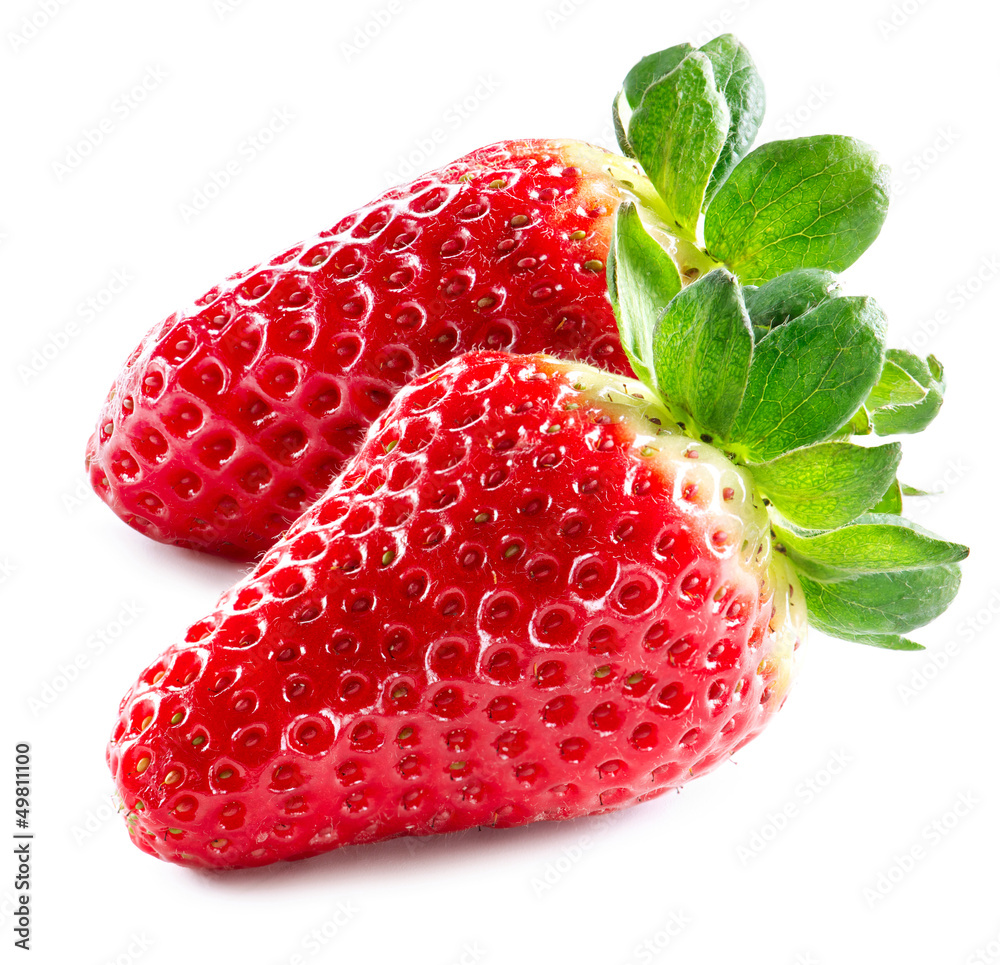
[{"x": 692, "y": 260}]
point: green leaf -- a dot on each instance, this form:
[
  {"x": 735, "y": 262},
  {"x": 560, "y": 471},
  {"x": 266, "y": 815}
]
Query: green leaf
[
  {"x": 885, "y": 641},
  {"x": 812, "y": 202},
  {"x": 913, "y": 491},
  {"x": 620, "y": 134},
  {"x": 810, "y": 376},
  {"x": 788, "y": 296},
  {"x": 702, "y": 347},
  {"x": 860, "y": 424},
  {"x": 873, "y": 543},
  {"x": 642, "y": 279},
  {"x": 891, "y": 502},
  {"x": 677, "y": 132},
  {"x": 895, "y": 387},
  {"x": 905, "y": 411},
  {"x": 650, "y": 69},
  {"x": 827, "y": 485},
  {"x": 736, "y": 78},
  {"x": 876, "y": 603}
]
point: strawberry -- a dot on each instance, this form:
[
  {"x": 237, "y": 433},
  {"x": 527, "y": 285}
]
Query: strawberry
[
  {"x": 529, "y": 596},
  {"x": 234, "y": 415}
]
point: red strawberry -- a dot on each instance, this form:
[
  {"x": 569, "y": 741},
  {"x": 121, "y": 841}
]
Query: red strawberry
[
  {"x": 529, "y": 596},
  {"x": 235, "y": 414}
]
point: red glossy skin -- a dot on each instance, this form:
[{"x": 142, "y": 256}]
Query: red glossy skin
[
  {"x": 483, "y": 621},
  {"x": 233, "y": 416}
]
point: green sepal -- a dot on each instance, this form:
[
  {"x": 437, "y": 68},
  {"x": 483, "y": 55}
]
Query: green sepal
[
  {"x": 642, "y": 279},
  {"x": 884, "y": 641},
  {"x": 872, "y": 543},
  {"x": 827, "y": 485},
  {"x": 737, "y": 80},
  {"x": 891, "y": 502},
  {"x": 881, "y": 603},
  {"x": 895, "y": 387},
  {"x": 812, "y": 202},
  {"x": 860, "y": 424},
  {"x": 621, "y": 135},
  {"x": 650, "y": 69},
  {"x": 809, "y": 376},
  {"x": 677, "y": 132},
  {"x": 702, "y": 351},
  {"x": 788, "y": 296},
  {"x": 909, "y": 394},
  {"x": 913, "y": 491}
]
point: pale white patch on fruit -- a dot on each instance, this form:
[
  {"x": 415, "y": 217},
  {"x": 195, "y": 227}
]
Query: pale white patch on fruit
[
  {"x": 724, "y": 495},
  {"x": 622, "y": 178},
  {"x": 712, "y": 487},
  {"x": 789, "y": 620},
  {"x": 702, "y": 475}
]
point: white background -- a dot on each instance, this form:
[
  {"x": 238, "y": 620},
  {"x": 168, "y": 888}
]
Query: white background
[{"x": 875, "y": 754}]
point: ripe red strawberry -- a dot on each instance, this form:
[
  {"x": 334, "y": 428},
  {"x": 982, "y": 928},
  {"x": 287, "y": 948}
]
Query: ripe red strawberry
[
  {"x": 235, "y": 414},
  {"x": 529, "y": 596}
]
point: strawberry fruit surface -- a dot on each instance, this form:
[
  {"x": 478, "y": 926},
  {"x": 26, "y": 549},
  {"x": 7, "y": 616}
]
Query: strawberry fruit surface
[
  {"x": 529, "y": 596},
  {"x": 237, "y": 413}
]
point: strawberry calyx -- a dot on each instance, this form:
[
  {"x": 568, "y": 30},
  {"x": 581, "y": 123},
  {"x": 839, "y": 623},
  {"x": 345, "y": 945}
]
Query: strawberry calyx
[
  {"x": 763, "y": 355},
  {"x": 689, "y": 118},
  {"x": 791, "y": 380}
]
